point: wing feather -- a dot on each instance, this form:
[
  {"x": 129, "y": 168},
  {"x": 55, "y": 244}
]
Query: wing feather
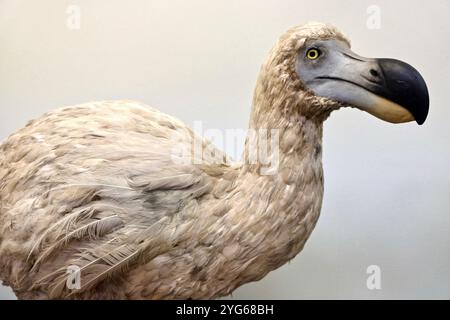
[{"x": 105, "y": 186}]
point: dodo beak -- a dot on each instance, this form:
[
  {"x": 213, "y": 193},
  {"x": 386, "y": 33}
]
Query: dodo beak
[{"x": 389, "y": 89}]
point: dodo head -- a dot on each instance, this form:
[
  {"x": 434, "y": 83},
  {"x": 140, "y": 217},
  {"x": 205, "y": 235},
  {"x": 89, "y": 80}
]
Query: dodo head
[{"x": 314, "y": 66}]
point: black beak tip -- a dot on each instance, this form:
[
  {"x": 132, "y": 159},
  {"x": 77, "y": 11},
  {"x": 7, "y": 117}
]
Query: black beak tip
[
  {"x": 406, "y": 87},
  {"x": 423, "y": 107},
  {"x": 420, "y": 100}
]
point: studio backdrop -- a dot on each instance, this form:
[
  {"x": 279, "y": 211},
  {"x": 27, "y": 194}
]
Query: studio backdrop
[{"x": 383, "y": 232}]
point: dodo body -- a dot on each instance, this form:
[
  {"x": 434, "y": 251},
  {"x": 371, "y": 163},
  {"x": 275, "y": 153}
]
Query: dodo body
[{"x": 114, "y": 190}]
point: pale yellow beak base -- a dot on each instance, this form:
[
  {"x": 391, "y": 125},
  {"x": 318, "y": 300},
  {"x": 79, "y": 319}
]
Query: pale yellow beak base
[{"x": 387, "y": 110}]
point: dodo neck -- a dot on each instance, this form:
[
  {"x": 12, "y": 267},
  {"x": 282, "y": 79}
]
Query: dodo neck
[{"x": 288, "y": 182}]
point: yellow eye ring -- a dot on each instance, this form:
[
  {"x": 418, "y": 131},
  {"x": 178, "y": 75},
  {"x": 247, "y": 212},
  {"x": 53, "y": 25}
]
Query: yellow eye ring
[{"x": 313, "y": 54}]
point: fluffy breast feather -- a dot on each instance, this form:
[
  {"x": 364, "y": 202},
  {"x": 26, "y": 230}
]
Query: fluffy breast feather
[{"x": 98, "y": 185}]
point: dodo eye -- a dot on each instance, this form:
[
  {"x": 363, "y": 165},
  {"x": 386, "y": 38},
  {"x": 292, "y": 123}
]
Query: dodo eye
[{"x": 313, "y": 54}]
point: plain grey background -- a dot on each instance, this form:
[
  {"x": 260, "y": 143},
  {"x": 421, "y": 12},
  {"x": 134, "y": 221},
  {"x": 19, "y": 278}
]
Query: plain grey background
[{"x": 387, "y": 200}]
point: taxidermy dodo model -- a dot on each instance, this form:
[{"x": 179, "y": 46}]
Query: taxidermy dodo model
[{"x": 101, "y": 189}]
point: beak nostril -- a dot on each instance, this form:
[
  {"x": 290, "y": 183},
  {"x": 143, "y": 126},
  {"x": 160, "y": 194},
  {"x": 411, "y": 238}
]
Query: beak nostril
[{"x": 374, "y": 72}]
